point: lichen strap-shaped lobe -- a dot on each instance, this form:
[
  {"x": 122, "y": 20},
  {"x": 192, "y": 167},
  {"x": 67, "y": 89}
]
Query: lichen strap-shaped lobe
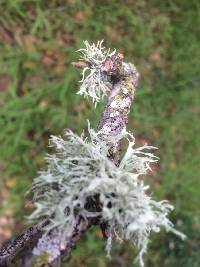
[
  {"x": 96, "y": 84},
  {"x": 121, "y": 79},
  {"x": 102, "y": 66},
  {"x": 81, "y": 169}
]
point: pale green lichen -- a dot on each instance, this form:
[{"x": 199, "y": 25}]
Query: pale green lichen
[
  {"x": 81, "y": 169},
  {"x": 95, "y": 54},
  {"x": 96, "y": 83}
]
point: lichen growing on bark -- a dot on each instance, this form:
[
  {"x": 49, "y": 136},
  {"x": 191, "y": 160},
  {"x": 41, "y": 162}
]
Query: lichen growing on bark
[
  {"x": 81, "y": 169},
  {"x": 96, "y": 84},
  {"x": 86, "y": 170}
]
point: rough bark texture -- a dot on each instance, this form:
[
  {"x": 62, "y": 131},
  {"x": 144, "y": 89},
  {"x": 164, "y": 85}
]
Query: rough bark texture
[
  {"x": 115, "y": 115},
  {"x": 24, "y": 241},
  {"x": 113, "y": 122}
]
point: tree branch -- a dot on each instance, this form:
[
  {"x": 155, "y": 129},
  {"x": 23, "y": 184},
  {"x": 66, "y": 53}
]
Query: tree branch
[{"x": 112, "y": 125}]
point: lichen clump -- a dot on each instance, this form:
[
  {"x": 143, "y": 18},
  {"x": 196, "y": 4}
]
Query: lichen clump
[
  {"x": 82, "y": 182},
  {"x": 96, "y": 84},
  {"x": 81, "y": 169}
]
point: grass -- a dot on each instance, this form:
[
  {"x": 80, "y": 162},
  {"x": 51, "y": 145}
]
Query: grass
[{"x": 38, "y": 40}]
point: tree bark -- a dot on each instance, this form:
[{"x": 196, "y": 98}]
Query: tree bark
[{"x": 111, "y": 127}]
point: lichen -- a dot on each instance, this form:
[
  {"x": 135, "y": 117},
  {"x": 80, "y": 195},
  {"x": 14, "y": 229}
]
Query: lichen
[
  {"x": 96, "y": 84},
  {"x": 81, "y": 169}
]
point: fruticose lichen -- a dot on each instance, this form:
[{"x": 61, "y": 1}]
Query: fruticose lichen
[
  {"x": 81, "y": 169},
  {"x": 96, "y": 84}
]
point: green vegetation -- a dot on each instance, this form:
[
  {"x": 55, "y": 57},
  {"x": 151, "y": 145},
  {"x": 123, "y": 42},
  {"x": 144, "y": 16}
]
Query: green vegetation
[{"x": 38, "y": 40}]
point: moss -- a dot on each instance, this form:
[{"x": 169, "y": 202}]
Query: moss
[{"x": 42, "y": 259}]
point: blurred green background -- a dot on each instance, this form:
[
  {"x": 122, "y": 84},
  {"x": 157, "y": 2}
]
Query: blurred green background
[{"x": 38, "y": 41}]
